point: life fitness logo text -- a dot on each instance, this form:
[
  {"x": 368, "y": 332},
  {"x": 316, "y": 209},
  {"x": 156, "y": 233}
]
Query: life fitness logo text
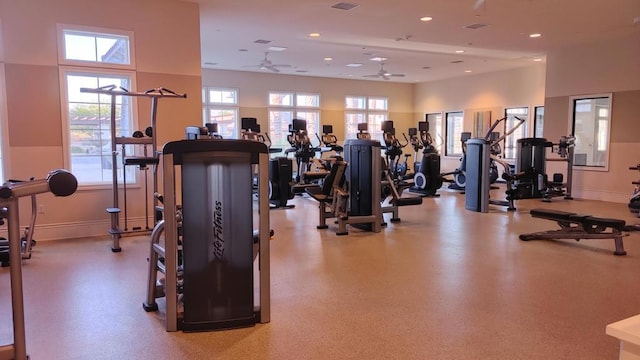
[{"x": 218, "y": 233}]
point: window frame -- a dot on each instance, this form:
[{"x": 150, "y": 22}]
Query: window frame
[
  {"x": 62, "y": 60},
  {"x": 4, "y": 126},
  {"x": 436, "y": 131},
  {"x": 523, "y": 128},
  {"x": 446, "y": 133},
  {"x": 368, "y": 114},
  {"x": 535, "y": 121},
  {"x": 571, "y": 127},
  {"x": 294, "y": 111},
  {"x": 208, "y": 105}
]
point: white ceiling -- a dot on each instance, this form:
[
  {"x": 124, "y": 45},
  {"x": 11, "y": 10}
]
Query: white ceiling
[{"x": 423, "y": 51}]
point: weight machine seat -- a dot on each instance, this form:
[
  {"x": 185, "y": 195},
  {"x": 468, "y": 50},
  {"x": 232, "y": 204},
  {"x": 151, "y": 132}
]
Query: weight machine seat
[
  {"x": 406, "y": 201},
  {"x": 141, "y": 161},
  {"x": 579, "y": 226}
]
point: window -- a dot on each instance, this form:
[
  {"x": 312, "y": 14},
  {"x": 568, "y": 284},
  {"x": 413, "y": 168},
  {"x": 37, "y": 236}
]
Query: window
[
  {"x": 590, "y": 126},
  {"x": 221, "y": 106},
  {"x": 286, "y": 106},
  {"x": 435, "y": 129},
  {"x": 538, "y": 121},
  {"x": 454, "y": 122},
  {"x": 95, "y": 47},
  {"x": 361, "y": 109},
  {"x": 88, "y": 115},
  {"x": 2, "y": 122},
  {"x": 511, "y": 141}
]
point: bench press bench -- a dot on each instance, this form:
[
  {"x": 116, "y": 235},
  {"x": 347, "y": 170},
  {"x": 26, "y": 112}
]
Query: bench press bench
[{"x": 579, "y": 226}]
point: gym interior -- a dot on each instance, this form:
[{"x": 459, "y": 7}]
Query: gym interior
[{"x": 444, "y": 282}]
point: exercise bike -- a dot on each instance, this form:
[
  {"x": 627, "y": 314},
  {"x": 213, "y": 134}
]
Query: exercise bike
[{"x": 26, "y": 240}]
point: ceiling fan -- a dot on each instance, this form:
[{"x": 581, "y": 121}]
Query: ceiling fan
[
  {"x": 266, "y": 64},
  {"x": 384, "y": 74}
]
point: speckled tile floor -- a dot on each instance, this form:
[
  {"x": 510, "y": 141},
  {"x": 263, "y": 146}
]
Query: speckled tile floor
[{"x": 444, "y": 283}]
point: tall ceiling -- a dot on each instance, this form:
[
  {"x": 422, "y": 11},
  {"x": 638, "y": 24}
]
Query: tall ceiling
[{"x": 236, "y": 35}]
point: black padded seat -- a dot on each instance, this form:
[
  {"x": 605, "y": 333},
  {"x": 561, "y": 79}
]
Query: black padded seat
[
  {"x": 315, "y": 175},
  {"x": 406, "y": 201},
  {"x": 552, "y": 214},
  {"x": 605, "y": 222},
  {"x": 141, "y": 161}
]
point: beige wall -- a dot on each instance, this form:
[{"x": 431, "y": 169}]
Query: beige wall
[
  {"x": 167, "y": 54},
  {"x": 608, "y": 67}
]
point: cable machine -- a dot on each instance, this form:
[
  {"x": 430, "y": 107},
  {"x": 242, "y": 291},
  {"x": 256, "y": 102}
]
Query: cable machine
[{"x": 112, "y": 90}]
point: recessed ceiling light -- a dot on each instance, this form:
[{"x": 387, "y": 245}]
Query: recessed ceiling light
[
  {"x": 301, "y": 71},
  {"x": 314, "y": 34},
  {"x": 537, "y": 59},
  {"x": 277, "y": 48},
  {"x": 328, "y": 59},
  {"x": 379, "y": 58},
  {"x": 426, "y": 18},
  {"x": 535, "y": 35},
  {"x": 467, "y": 71},
  {"x": 426, "y": 67},
  {"x": 242, "y": 50},
  {"x": 354, "y": 65},
  {"x": 459, "y": 51},
  {"x": 262, "y": 41},
  {"x": 210, "y": 63}
]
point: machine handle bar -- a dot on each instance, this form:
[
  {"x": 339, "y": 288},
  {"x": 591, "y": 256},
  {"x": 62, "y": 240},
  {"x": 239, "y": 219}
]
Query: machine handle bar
[{"x": 59, "y": 182}]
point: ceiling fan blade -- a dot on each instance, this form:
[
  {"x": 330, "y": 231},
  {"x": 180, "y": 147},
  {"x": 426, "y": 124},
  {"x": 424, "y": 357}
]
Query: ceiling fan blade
[
  {"x": 396, "y": 75},
  {"x": 372, "y": 76}
]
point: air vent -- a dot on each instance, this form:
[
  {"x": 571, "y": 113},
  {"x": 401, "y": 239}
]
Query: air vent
[
  {"x": 260, "y": 41},
  {"x": 344, "y": 6},
  {"x": 476, "y": 26},
  {"x": 457, "y": 61}
]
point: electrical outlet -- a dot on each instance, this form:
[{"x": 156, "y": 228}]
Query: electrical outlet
[{"x": 41, "y": 209}]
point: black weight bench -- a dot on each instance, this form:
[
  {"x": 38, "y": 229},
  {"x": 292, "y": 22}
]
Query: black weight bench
[{"x": 579, "y": 226}]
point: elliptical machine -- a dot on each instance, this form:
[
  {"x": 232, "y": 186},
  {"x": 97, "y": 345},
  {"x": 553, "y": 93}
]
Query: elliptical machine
[
  {"x": 303, "y": 152},
  {"x": 459, "y": 175},
  {"x": 280, "y": 168},
  {"x": 393, "y": 151},
  {"x": 427, "y": 179}
]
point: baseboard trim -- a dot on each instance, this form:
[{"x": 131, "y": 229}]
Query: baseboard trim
[
  {"x": 72, "y": 230},
  {"x": 609, "y": 196}
]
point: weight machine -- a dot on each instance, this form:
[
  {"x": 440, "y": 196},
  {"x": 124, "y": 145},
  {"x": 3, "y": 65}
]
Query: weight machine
[
  {"x": 481, "y": 155},
  {"x": 60, "y": 183},
  {"x": 210, "y": 246},
  {"x": 531, "y": 176},
  {"x": 150, "y": 158}
]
